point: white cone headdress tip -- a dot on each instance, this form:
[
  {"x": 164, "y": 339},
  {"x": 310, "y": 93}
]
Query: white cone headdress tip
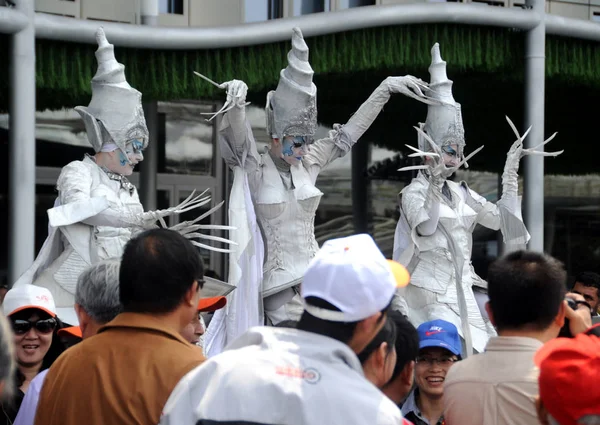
[
  {"x": 115, "y": 105},
  {"x": 299, "y": 46},
  {"x": 444, "y": 121},
  {"x": 293, "y": 103},
  {"x": 101, "y": 38},
  {"x": 436, "y": 56}
]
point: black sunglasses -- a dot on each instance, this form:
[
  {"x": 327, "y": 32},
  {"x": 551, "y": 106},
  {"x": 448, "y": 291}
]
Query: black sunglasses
[{"x": 21, "y": 327}]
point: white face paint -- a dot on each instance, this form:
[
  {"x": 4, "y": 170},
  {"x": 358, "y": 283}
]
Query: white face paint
[
  {"x": 293, "y": 149},
  {"x": 124, "y": 163},
  {"x": 450, "y": 155}
]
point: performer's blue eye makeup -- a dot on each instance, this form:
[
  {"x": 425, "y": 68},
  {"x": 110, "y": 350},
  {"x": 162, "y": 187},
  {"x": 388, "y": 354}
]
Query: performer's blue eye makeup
[
  {"x": 449, "y": 151},
  {"x": 290, "y": 142},
  {"x": 135, "y": 146}
]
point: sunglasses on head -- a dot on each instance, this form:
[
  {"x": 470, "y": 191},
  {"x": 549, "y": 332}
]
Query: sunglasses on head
[{"x": 21, "y": 327}]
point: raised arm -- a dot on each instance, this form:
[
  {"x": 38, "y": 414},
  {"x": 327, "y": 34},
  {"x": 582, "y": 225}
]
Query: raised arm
[
  {"x": 236, "y": 141},
  {"x": 343, "y": 137},
  {"x": 509, "y": 206}
]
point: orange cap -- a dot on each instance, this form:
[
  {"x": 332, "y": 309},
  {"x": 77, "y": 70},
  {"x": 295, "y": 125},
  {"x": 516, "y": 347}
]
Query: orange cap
[
  {"x": 211, "y": 304},
  {"x": 74, "y": 331},
  {"x": 400, "y": 273}
]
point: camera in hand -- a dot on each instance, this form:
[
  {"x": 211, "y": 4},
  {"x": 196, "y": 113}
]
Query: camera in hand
[{"x": 565, "y": 331}]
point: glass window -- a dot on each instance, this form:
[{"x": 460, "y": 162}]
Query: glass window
[
  {"x": 383, "y": 189},
  {"x": 60, "y": 137},
  {"x": 170, "y": 6},
  {"x": 275, "y": 9},
  {"x": 263, "y": 10},
  {"x": 256, "y": 10},
  {"x": 305, "y": 7},
  {"x": 346, "y": 4},
  {"x": 596, "y": 17},
  {"x": 190, "y": 139},
  {"x": 334, "y": 215}
]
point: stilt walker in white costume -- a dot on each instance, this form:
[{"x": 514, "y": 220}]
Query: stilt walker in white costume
[
  {"x": 98, "y": 210},
  {"x": 437, "y": 218},
  {"x": 282, "y": 180}
]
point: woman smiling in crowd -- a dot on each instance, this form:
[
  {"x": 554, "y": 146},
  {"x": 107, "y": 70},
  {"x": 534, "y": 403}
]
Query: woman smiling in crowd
[{"x": 32, "y": 314}]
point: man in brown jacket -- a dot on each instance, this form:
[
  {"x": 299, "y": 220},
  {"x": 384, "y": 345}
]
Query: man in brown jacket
[{"x": 125, "y": 374}]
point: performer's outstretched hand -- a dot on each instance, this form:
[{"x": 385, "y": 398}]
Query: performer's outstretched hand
[
  {"x": 410, "y": 86},
  {"x": 236, "y": 95},
  {"x": 149, "y": 218},
  {"x": 516, "y": 151}
]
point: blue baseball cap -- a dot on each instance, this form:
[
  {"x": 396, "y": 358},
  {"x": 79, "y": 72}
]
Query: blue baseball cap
[{"x": 439, "y": 333}]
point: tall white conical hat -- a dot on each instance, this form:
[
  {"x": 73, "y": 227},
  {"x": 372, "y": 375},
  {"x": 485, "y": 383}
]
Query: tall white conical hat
[
  {"x": 292, "y": 107},
  {"x": 115, "y": 113},
  {"x": 444, "y": 121}
]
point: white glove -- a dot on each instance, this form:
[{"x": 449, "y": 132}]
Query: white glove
[
  {"x": 235, "y": 103},
  {"x": 367, "y": 113},
  {"x": 513, "y": 159},
  {"x": 148, "y": 219},
  {"x": 409, "y": 86},
  {"x": 235, "y": 107},
  {"x": 236, "y": 93}
]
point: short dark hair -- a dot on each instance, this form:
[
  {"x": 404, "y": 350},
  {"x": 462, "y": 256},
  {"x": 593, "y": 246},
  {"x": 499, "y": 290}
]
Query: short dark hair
[
  {"x": 407, "y": 342},
  {"x": 526, "y": 290},
  {"x": 386, "y": 334},
  {"x": 589, "y": 279},
  {"x": 341, "y": 331},
  {"x": 158, "y": 268}
]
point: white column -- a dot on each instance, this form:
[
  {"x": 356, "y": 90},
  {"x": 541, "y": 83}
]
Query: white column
[
  {"x": 533, "y": 190},
  {"x": 21, "y": 191},
  {"x": 149, "y": 15}
]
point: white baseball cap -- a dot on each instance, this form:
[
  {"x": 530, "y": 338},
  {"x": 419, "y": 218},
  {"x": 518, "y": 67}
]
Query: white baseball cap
[
  {"x": 352, "y": 274},
  {"x": 67, "y": 315},
  {"x": 28, "y": 296}
]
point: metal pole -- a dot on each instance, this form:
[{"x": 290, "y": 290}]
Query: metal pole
[
  {"x": 149, "y": 15},
  {"x": 125, "y": 35},
  {"x": 21, "y": 147},
  {"x": 533, "y": 190},
  {"x": 12, "y": 21}
]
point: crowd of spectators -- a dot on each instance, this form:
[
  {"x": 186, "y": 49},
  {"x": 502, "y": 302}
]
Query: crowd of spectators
[{"x": 136, "y": 356}]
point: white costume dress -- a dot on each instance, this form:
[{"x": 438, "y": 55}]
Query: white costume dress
[
  {"x": 93, "y": 221},
  {"x": 98, "y": 211},
  {"x": 285, "y": 197},
  {"x": 434, "y": 235}
]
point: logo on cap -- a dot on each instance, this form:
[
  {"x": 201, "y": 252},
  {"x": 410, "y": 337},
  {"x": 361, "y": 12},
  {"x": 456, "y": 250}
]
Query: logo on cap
[{"x": 434, "y": 330}]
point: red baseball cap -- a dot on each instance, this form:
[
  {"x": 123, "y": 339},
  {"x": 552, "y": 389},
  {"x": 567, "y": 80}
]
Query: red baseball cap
[
  {"x": 211, "y": 304},
  {"x": 569, "y": 376}
]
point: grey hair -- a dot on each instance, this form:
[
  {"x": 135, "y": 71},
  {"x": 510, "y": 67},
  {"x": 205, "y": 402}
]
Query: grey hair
[
  {"x": 97, "y": 291},
  {"x": 7, "y": 359}
]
